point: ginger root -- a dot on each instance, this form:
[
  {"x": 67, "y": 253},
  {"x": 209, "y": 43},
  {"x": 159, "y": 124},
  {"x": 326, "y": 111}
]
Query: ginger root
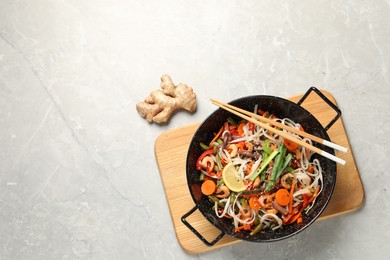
[{"x": 162, "y": 103}]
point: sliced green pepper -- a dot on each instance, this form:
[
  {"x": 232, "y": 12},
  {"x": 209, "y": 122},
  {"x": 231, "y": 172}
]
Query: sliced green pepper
[
  {"x": 204, "y": 146},
  {"x": 258, "y": 228},
  {"x": 266, "y": 147}
]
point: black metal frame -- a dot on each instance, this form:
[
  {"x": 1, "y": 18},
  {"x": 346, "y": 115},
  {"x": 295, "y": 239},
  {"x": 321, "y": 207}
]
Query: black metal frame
[
  {"x": 204, "y": 240},
  {"x": 327, "y": 101}
]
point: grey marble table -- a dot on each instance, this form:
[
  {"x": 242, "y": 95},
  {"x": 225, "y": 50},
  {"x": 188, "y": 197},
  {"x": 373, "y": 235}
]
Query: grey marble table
[{"x": 78, "y": 175}]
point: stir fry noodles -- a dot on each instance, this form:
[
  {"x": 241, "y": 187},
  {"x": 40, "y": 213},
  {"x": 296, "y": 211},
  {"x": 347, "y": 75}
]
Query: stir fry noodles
[{"x": 258, "y": 180}]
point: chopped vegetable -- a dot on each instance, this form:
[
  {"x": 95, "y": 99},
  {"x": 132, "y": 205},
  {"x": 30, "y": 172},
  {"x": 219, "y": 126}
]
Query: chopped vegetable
[
  {"x": 265, "y": 163},
  {"x": 290, "y": 144},
  {"x": 258, "y": 228},
  {"x": 204, "y": 147},
  {"x": 291, "y": 196},
  {"x": 266, "y": 147},
  {"x": 208, "y": 187},
  {"x": 254, "y": 203},
  {"x": 282, "y": 197},
  {"x": 240, "y": 129},
  {"x": 216, "y": 136},
  {"x": 201, "y": 157},
  {"x": 277, "y": 166}
]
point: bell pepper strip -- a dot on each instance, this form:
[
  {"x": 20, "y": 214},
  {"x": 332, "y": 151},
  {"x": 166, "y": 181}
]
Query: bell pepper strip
[
  {"x": 263, "y": 165},
  {"x": 200, "y": 158}
]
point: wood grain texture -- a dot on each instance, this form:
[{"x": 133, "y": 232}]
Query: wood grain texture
[{"x": 171, "y": 151}]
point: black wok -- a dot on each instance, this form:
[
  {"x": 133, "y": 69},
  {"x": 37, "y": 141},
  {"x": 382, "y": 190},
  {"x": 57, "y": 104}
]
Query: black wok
[{"x": 282, "y": 108}]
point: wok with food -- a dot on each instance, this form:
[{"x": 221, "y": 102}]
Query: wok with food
[{"x": 253, "y": 184}]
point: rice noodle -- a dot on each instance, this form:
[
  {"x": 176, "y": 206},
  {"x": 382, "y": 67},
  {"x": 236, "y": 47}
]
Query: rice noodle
[
  {"x": 267, "y": 215},
  {"x": 227, "y": 201}
]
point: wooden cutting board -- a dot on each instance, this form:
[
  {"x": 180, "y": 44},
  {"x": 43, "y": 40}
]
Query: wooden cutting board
[{"x": 171, "y": 151}]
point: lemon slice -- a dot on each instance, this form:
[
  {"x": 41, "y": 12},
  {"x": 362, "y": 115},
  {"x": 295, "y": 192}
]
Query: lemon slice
[{"x": 231, "y": 178}]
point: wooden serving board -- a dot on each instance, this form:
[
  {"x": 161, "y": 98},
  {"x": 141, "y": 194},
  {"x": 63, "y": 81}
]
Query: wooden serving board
[{"x": 171, "y": 151}]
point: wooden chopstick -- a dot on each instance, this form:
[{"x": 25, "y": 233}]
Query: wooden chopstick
[
  {"x": 288, "y": 128},
  {"x": 278, "y": 132}
]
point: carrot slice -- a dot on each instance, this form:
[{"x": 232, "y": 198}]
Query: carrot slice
[
  {"x": 282, "y": 197},
  {"x": 254, "y": 203},
  {"x": 208, "y": 187},
  {"x": 216, "y": 136},
  {"x": 290, "y": 144}
]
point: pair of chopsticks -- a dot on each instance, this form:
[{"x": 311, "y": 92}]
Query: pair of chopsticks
[{"x": 261, "y": 121}]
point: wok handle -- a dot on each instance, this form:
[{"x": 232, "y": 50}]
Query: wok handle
[
  {"x": 204, "y": 240},
  {"x": 324, "y": 98}
]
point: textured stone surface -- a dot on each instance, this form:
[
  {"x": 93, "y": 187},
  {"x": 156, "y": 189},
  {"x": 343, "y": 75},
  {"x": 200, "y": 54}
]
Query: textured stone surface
[{"x": 78, "y": 176}]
